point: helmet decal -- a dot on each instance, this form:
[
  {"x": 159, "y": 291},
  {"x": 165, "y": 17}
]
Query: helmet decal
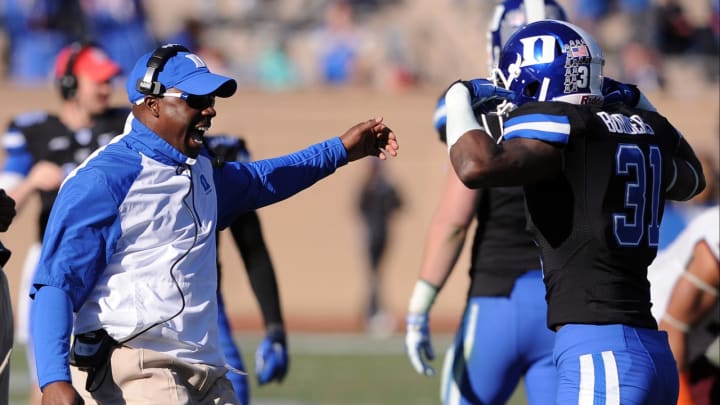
[{"x": 539, "y": 49}]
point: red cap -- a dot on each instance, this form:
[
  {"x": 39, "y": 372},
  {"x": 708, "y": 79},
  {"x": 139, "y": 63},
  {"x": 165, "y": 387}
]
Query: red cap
[{"x": 90, "y": 61}]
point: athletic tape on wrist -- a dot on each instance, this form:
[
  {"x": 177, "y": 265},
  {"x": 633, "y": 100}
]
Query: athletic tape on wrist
[
  {"x": 422, "y": 298},
  {"x": 460, "y": 115}
]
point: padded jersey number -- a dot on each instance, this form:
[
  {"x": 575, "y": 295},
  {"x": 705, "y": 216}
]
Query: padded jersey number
[{"x": 642, "y": 192}]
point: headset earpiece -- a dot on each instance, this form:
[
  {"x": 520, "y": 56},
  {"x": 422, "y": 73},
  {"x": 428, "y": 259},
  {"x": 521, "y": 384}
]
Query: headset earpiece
[
  {"x": 68, "y": 81},
  {"x": 149, "y": 85}
]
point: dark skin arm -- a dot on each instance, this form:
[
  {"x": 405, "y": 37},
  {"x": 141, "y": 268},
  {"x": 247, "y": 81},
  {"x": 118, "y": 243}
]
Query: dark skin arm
[
  {"x": 480, "y": 162},
  {"x": 247, "y": 234},
  {"x": 688, "y": 303}
]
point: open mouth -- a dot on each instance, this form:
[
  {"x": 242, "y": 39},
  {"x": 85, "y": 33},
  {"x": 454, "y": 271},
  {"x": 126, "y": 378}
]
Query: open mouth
[{"x": 197, "y": 135}]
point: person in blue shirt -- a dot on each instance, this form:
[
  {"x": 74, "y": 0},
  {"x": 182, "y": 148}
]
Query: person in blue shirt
[{"x": 130, "y": 246}]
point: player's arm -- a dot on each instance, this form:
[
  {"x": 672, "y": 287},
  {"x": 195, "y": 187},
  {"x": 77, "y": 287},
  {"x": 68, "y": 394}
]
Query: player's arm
[
  {"x": 444, "y": 241},
  {"x": 44, "y": 175},
  {"x": 448, "y": 230},
  {"x": 692, "y": 298},
  {"x": 687, "y": 178},
  {"x": 528, "y": 154},
  {"x": 271, "y": 358},
  {"x": 248, "y": 237}
]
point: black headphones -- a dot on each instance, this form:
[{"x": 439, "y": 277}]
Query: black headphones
[
  {"x": 149, "y": 85},
  {"x": 68, "y": 81}
]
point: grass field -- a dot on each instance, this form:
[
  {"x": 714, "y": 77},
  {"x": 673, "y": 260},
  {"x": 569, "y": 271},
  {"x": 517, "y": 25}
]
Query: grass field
[{"x": 328, "y": 369}]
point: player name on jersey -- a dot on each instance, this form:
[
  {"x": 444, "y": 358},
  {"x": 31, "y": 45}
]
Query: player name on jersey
[{"x": 622, "y": 124}]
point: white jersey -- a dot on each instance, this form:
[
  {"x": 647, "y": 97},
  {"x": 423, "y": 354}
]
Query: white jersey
[{"x": 669, "y": 264}]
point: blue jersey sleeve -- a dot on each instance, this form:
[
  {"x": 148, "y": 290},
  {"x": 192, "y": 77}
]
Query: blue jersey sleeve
[
  {"x": 80, "y": 237},
  {"x": 18, "y": 158},
  {"x": 244, "y": 187},
  {"x": 544, "y": 127}
]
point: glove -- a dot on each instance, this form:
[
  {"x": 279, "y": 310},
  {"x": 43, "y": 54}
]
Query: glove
[
  {"x": 482, "y": 91},
  {"x": 484, "y": 97},
  {"x": 271, "y": 359},
  {"x": 617, "y": 92},
  {"x": 628, "y": 94},
  {"x": 417, "y": 343}
]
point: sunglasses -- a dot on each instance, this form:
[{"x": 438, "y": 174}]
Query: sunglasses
[{"x": 194, "y": 101}]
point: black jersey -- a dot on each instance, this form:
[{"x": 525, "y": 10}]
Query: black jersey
[
  {"x": 503, "y": 248},
  {"x": 597, "y": 222},
  {"x": 47, "y": 138}
]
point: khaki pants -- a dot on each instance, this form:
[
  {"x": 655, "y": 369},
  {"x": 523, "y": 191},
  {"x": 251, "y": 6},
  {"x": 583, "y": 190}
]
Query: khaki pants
[
  {"x": 6, "y": 337},
  {"x": 139, "y": 376}
]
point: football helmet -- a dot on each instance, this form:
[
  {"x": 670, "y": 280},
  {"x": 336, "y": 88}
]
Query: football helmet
[
  {"x": 510, "y": 15},
  {"x": 551, "y": 60}
]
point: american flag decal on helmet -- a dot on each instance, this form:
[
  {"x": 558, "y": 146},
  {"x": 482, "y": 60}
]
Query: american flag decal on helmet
[{"x": 578, "y": 51}]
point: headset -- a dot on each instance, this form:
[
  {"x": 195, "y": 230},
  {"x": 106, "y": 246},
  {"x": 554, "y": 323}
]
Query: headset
[
  {"x": 68, "y": 81},
  {"x": 149, "y": 85}
]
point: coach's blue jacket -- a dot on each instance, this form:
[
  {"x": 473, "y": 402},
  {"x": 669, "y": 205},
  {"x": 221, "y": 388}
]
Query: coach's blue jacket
[{"x": 131, "y": 241}]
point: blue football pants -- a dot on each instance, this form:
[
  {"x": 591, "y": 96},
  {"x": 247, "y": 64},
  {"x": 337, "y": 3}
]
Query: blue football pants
[
  {"x": 614, "y": 365},
  {"x": 500, "y": 340}
]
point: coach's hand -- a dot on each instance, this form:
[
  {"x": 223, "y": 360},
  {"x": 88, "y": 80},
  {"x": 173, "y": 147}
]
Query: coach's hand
[
  {"x": 417, "y": 343},
  {"x": 271, "y": 358},
  {"x": 60, "y": 393},
  {"x": 369, "y": 138}
]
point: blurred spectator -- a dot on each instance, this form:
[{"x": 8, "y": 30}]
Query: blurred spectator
[
  {"x": 675, "y": 32},
  {"x": 341, "y": 47},
  {"x": 677, "y": 35},
  {"x": 378, "y": 201},
  {"x": 36, "y": 31},
  {"x": 121, "y": 26},
  {"x": 639, "y": 60},
  {"x": 192, "y": 35},
  {"x": 275, "y": 69}
]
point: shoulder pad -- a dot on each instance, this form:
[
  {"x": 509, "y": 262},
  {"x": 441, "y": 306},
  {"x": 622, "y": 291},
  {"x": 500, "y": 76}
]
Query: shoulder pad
[{"x": 30, "y": 118}]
